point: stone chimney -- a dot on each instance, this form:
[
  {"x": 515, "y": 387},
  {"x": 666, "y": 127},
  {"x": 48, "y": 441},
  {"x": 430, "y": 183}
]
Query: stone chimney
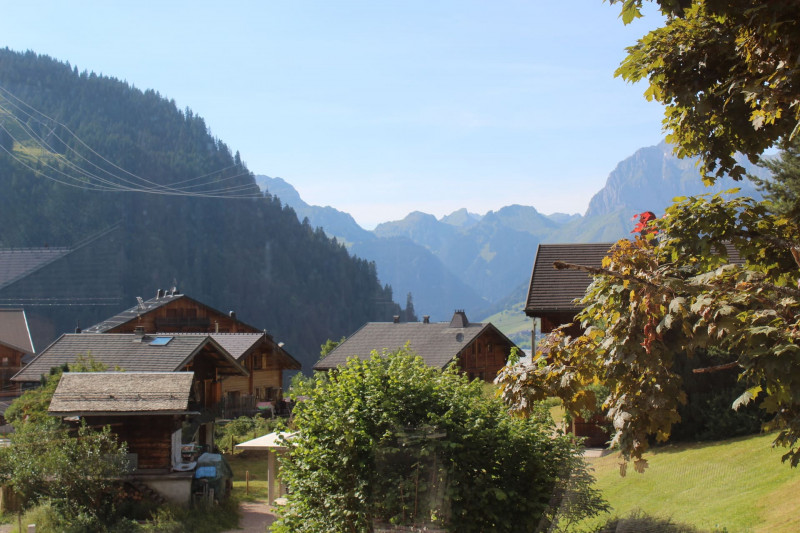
[
  {"x": 138, "y": 333},
  {"x": 426, "y": 319},
  {"x": 396, "y": 319}
]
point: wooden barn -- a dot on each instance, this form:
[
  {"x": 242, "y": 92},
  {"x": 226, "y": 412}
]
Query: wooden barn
[{"x": 479, "y": 350}]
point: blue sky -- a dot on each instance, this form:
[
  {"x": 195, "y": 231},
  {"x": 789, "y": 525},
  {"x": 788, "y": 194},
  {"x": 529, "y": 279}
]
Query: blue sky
[{"x": 379, "y": 108}]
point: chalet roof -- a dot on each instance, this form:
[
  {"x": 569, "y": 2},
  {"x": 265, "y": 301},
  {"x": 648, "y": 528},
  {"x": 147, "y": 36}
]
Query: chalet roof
[
  {"x": 129, "y": 352},
  {"x": 14, "y": 331},
  {"x": 96, "y": 393},
  {"x": 437, "y": 343},
  {"x": 240, "y": 345},
  {"x": 554, "y": 290},
  {"x": 16, "y": 263},
  {"x": 145, "y": 307}
]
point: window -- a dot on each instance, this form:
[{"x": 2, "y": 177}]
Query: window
[
  {"x": 257, "y": 361},
  {"x": 160, "y": 341},
  {"x": 5, "y": 361}
]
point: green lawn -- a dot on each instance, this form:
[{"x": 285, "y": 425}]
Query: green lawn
[
  {"x": 734, "y": 485},
  {"x": 256, "y": 464}
]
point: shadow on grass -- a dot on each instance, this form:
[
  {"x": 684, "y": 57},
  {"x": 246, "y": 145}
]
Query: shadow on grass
[
  {"x": 638, "y": 522},
  {"x": 683, "y": 446}
]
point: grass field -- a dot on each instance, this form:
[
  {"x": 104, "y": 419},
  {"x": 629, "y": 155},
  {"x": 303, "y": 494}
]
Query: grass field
[
  {"x": 738, "y": 485},
  {"x": 734, "y": 485},
  {"x": 514, "y": 325},
  {"x": 256, "y": 464}
]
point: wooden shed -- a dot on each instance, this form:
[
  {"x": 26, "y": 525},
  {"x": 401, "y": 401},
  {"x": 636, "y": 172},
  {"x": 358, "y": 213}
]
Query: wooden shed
[{"x": 146, "y": 410}]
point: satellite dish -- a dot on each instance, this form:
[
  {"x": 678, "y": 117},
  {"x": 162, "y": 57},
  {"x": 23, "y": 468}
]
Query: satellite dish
[{"x": 460, "y": 337}]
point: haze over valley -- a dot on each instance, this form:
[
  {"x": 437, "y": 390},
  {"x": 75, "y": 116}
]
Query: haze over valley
[{"x": 482, "y": 262}]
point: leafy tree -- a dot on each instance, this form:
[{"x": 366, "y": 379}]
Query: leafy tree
[
  {"x": 782, "y": 188},
  {"x": 673, "y": 293},
  {"x": 726, "y": 72},
  {"x": 32, "y": 406},
  {"x": 392, "y": 441},
  {"x": 77, "y": 471},
  {"x": 329, "y": 346}
]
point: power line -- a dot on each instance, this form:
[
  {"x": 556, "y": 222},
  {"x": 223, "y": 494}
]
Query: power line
[{"x": 94, "y": 180}]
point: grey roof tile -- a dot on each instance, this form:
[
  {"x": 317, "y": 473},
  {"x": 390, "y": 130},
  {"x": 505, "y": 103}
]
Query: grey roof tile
[
  {"x": 118, "y": 350},
  {"x": 554, "y": 290},
  {"x": 16, "y": 263},
  {"x": 133, "y": 313},
  {"x": 122, "y": 393},
  {"x": 437, "y": 343}
]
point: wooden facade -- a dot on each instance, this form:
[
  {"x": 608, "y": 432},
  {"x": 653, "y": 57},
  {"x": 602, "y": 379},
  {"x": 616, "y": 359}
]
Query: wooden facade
[
  {"x": 10, "y": 364},
  {"x": 184, "y": 315},
  {"x": 148, "y": 436},
  {"x": 485, "y": 356},
  {"x": 265, "y": 381}
]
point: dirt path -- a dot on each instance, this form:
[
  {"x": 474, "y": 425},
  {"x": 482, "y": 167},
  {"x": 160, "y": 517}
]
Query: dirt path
[{"x": 256, "y": 516}]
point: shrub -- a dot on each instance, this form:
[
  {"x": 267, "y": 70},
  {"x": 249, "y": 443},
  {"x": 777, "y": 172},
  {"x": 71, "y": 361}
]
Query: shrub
[
  {"x": 390, "y": 441},
  {"x": 243, "y": 428}
]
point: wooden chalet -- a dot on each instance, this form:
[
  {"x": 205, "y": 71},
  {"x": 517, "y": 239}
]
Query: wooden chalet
[
  {"x": 171, "y": 312},
  {"x": 552, "y": 294},
  {"x": 138, "y": 352},
  {"x": 479, "y": 350},
  {"x": 147, "y": 411}
]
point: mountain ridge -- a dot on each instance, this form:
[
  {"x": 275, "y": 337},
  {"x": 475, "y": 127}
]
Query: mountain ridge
[{"x": 492, "y": 253}]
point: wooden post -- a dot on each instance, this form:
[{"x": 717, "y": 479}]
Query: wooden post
[
  {"x": 271, "y": 471},
  {"x": 247, "y": 482}
]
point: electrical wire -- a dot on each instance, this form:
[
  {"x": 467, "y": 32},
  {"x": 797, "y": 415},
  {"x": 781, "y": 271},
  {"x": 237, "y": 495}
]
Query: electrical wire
[{"x": 100, "y": 178}]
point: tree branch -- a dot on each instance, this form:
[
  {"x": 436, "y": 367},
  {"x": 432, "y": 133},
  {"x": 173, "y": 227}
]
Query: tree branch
[
  {"x": 726, "y": 366},
  {"x": 561, "y": 265}
]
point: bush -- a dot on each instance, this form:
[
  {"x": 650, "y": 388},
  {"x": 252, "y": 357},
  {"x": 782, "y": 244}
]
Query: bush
[
  {"x": 392, "y": 442},
  {"x": 243, "y": 428}
]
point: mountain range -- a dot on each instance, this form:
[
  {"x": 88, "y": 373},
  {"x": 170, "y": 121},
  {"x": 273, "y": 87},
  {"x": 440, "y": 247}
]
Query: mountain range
[{"x": 482, "y": 263}]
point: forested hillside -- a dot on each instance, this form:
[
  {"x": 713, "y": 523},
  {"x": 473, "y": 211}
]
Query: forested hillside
[{"x": 92, "y": 153}]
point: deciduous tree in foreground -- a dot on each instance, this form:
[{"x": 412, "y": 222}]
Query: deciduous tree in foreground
[
  {"x": 727, "y": 73},
  {"x": 667, "y": 294},
  {"x": 392, "y": 442}
]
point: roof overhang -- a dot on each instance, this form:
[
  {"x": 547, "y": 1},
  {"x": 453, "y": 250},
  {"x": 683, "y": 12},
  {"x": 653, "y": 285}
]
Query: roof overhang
[
  {"x": 232, "y": 367},
  {"x": 88, "y": 414}
]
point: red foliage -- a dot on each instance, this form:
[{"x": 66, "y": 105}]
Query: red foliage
[{"x": 644, "y": 219}]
